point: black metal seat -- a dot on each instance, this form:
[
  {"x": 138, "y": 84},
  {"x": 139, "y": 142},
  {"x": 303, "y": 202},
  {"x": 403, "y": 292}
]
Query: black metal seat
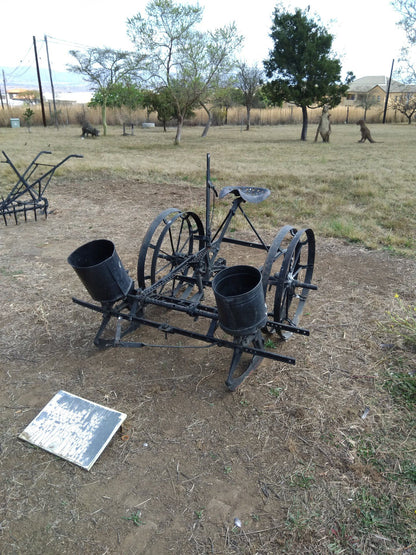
[{"x": 249, "y": 194}]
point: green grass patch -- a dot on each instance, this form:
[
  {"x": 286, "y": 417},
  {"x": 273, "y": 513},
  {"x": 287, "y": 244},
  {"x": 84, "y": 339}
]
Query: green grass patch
[
  {"x": 384, "y": 515},
  {"x": 402, "y": 386}
]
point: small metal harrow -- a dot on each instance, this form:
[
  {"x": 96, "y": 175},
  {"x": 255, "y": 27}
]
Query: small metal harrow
[
  {"x": 28, "y": 194},
  {"x": 179, "y": 268}
]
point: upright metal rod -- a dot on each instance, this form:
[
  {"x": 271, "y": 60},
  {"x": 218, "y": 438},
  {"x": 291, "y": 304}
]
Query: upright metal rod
[{"x": 208, "y": 202}]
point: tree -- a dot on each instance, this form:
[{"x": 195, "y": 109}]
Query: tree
[
  {"x": 105, "y": 69},
  {"x": 300, "y": 66},
  {"x": 407, "y": 11},
  {"x": 366, "y": 101},
  {"x": 118, "y": 95},
  {"x": 406, "y": 105},
  {"x": 27, "y": 116},
  {"x": 28, "y": 96},
  {"x": 226, "y": 96},
  {"x": 249, "y": 80},
  {"x": 180, "y": 59},
  {"x": 129, "y": 95},
  {"x": 162, "y": 103}
]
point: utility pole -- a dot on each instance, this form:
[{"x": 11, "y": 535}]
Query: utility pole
[
  {"x": 40, "y": 83},
  {"x": 52, "y": 87},
  {"x": 387, "y": 94},
  {"x": 5, "y": 89}
]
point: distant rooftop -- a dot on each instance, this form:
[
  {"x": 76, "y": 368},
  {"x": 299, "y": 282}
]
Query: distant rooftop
[{"x": 366, "y": 84}]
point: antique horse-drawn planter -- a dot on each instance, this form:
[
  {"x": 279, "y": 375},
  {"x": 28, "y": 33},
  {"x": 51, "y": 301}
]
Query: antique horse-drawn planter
[{"x": 179, "y": 267}]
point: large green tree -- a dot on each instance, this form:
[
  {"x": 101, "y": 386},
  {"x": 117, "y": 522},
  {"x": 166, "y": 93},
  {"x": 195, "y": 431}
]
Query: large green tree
[
  {"x": 105, "y": 70},
  {"x": 180, "y": 59},
  {"x": 301, "y": 66}
]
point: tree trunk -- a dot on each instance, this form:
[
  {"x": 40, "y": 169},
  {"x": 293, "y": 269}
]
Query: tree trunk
[
  {"x": 248, "y": 118},
  {"x": 304, "y": 123},
  {"x": 179, "y": 130},
  {"x": 104, "y": 117},
  {"x": 208, "y": 124}
]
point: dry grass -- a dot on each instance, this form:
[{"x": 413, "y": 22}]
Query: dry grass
[
  {"x": 360, "y": 192},
  {"x": 70, "y": 114},
  {"x": 290, "y": 453}
]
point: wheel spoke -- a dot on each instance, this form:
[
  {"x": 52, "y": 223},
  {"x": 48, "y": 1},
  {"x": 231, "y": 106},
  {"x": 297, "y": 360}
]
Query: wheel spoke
[
  {"x": 168, "y": 242},
  {"x": 149, "y": 244}
]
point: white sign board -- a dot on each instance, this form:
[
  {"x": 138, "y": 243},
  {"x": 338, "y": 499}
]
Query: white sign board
[{"x": 73, "y": 428}]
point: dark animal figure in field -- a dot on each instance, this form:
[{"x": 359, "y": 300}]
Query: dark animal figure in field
[
  {"x": 324, "y": 126},
  {"x": 365, "y": 132},
  {"x": 88, "y": 129}
]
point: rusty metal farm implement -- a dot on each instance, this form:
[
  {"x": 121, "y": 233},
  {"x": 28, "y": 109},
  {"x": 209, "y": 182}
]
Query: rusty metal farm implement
[
  {"x": 179, "y": 267},
  {"x": 28, "y": 194}
]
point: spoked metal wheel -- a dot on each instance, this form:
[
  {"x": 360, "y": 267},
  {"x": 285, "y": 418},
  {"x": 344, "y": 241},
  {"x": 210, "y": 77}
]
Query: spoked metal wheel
[
  {"x": 287, "y": 275},
  {"x": 170, "y": 240},
  {"x": 273, "y": 265}
]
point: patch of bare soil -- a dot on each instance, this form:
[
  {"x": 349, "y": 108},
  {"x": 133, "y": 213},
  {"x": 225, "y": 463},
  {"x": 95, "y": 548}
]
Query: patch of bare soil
[{"x": 193, "y": 456}]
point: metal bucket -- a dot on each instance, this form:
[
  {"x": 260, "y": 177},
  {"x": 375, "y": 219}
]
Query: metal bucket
[
  {"x": 101, "y": 271},
  {"x": 239, "y": 295}
]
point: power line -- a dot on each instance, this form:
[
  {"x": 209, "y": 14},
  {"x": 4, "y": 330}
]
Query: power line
[
  {"x": 23, "y": 74},
  {"x": 20, "y": 65},
  {"x": 23, "y": 71},
  {"x": 70, "y": 43},
  {"x": 25, "y": 64}
]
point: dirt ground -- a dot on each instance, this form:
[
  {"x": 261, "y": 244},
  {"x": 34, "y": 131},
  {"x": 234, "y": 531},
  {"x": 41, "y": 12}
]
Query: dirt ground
[{"x": 277, "y": 454}]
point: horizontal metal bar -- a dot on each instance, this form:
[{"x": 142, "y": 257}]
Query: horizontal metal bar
[
  {"x": 168, "y": 328},
  {"x": 286, "y": 327},
  {"x": 183, "y": 306},
  {"x": 245, "y": 243}
]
